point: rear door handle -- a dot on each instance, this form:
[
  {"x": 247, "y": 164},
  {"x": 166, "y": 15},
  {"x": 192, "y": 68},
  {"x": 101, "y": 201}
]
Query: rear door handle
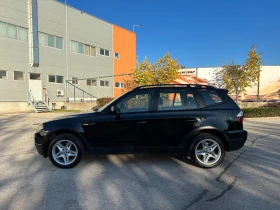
[{"x": 141, "y": 122}]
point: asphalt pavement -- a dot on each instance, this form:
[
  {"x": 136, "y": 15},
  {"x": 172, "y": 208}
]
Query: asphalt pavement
[{"x": 247, "y": 179}]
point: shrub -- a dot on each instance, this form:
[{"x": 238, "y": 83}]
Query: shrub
[
  {"x": 103, "y": 101},
  {"x": 275, "y": 104},
  {"x": 261, "y": 112}
]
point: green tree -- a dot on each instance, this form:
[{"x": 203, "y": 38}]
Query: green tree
[
  {"x": 234, "y": 78},
  {"x": 253, "y": 68},
  {"x": 164, "y": 71}
]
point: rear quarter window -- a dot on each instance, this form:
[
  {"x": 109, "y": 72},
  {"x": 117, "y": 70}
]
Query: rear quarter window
[{"x": 211, "y": 98}]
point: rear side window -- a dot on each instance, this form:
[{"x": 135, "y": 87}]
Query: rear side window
[
  {"x": 191, "y": 103},
  {"x": 170, "y": 100},
  {"x": 211, "y": 98}
]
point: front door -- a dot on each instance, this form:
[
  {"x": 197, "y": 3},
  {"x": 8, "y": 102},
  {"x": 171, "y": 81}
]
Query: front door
[
  {"x": 35, "y": 86},
  {"x": 128, "y": 128}
]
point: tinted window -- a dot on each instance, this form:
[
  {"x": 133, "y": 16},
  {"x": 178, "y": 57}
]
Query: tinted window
[
  {"x": 50, "y": 40},
  {"x": 170, "y": 101},
  {"x": 191, "y": 103},
  {"x": 211, "y": 98},
  {"x": 34, "y": 76},
  {"x": 137, "y": 103}
]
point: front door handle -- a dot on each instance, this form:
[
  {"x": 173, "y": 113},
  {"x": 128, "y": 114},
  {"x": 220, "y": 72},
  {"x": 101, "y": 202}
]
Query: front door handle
[
  {"x": 141, "y": 122},
  {"x": 191, "y": 121}
]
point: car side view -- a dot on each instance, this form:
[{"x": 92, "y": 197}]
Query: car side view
[{"x": 198, "y": 121}]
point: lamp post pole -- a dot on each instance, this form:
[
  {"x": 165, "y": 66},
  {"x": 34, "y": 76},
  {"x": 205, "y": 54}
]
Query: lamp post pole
[{"x": 136, "y": 25}]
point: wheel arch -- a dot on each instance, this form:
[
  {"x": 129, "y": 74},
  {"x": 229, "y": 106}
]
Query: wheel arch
[
  {"x": 58, "y": 132},
  {"x": 208, "y": 129}
]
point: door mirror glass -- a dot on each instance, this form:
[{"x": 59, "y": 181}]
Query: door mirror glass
[{"x": 115, "y": 110}]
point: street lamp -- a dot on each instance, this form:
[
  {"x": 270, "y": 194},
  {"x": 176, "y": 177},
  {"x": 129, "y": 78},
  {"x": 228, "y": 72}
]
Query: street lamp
[{"x": 136, "y": 25}]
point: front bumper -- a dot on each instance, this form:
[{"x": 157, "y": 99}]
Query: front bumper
[
  {"x": 39, "y": 143},
  {"x": 236, "y": 139}
]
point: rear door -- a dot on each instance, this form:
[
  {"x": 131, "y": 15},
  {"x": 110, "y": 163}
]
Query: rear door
[{"x": 176, "y": 113}]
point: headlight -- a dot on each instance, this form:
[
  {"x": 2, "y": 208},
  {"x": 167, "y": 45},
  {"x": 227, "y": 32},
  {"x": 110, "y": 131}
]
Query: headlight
[
  {"x": 40, "y": 127},
  {"x": 41, "y": 130}
]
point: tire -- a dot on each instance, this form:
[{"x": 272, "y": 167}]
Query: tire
[
  {"x": 207, "y": 150},
  {"x": 66, "y": 151}
]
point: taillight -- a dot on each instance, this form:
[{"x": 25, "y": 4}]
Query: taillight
[{"x": 240, "y": 117}]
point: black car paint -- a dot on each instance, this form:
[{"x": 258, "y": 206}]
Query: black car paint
[{"x": 153, "y": 131}]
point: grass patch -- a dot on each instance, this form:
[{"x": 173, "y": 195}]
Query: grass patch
[{"x": 261, "y": 112}]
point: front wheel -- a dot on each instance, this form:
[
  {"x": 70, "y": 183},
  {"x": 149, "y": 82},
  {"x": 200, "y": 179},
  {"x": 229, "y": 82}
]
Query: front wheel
[
  {"x": 65, "y": 151},
  {"x": 207, "y": 150}
]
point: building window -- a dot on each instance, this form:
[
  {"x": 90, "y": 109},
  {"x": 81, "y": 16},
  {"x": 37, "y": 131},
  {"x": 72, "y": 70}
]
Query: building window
[
  {"x": 93, "y": 51},
  {"x": 81, "y": 48},
  {"x": 3, "y": 75},
  {"x": 50, "y": 40},
  {"x": 78, "y": 47},
  {"x": 104, "y": 83},
  {"x": 3, "y": 29},
  {"x": 75, "y": 80},
  {"x": 104, "y": 52},
  {"x": 117, "y": 55},
  {"x": 119, "y": 85},
  {"x": 51, "y": 78},
  {"x": 22, "y": 34},
  {"x": 12, "y": 31},
  {"x": 59, "y": 79},
  {"x": 58, "y": 42},
  {"x": 34, "y": 76},
  {"x": 91, "y": 82},
  {"x": 18, "y": 75},
  {"x": 55, "y": 79}
]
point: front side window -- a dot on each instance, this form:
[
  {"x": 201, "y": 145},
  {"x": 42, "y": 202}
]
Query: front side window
[
  {"x": 3, "y": 74},
  {"x": 170, "y": 100},
  {"x": 211, "y": 98},
  {"x": 18, "y": 75},
  {"x": 12, "y": 31},
  {"x": 139, "y": 102}
]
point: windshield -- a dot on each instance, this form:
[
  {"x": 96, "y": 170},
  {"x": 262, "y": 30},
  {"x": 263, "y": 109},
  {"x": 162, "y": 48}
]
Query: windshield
[{"x": 109, "y": 104}]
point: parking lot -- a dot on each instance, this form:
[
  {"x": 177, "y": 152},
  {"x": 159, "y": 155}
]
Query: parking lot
[{"x": 247, "y": 179}]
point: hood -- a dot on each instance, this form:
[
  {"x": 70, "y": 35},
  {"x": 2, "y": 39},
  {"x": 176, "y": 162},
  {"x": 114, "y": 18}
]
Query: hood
[{"x": 77, "y": 115}]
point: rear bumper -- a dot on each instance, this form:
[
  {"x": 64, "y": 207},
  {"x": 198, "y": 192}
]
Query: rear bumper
[{"x": 236, "y": 139}]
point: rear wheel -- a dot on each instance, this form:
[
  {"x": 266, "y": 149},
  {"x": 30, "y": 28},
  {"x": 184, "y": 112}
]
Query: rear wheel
[
  {"x": 207, "y": 150},
  {"x": 65, "y": 151}
]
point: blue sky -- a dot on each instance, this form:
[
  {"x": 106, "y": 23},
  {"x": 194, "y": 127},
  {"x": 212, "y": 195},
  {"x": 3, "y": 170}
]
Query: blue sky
[{"x": 198, "y": 33}]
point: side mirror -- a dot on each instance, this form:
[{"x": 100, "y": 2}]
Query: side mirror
[{"x": 115, "y": 110}]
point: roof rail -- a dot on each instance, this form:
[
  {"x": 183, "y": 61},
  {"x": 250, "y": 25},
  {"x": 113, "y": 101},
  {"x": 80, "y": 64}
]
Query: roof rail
[{"x": 176, "y": 85}]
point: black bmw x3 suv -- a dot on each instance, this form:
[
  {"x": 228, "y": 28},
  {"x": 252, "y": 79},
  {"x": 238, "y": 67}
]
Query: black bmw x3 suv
[{"x": 201, "y": 122}]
